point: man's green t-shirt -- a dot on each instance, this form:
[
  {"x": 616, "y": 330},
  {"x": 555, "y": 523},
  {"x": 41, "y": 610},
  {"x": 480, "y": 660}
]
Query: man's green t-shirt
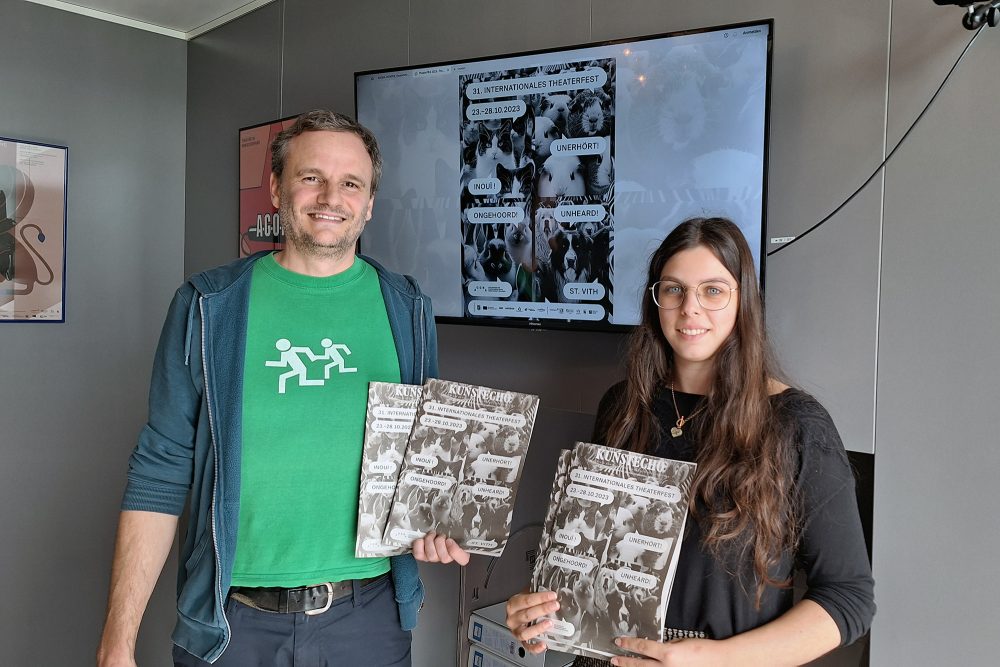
[{"x": 313, "y": 345}]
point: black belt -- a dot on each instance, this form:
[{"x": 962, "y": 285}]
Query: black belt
[{"x": 309, "y": 599}]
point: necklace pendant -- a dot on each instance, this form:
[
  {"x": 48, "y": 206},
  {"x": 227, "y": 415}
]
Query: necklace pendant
[{"x": 676, "y": 432}]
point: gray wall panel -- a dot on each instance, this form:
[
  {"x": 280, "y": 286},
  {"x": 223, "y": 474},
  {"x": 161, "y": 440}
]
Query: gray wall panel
[
  {"x": 567, "y": 371},
  {"x": 926, "y": 39},
  {"x": 233, "y": 81},
  {"x": 822, "y": 314},
  {"x": 935, "y": 474},
  {"x": 457, "y": 29},
  {"x": 75, "y": 392},
  {"x": 326, "y": 42}
]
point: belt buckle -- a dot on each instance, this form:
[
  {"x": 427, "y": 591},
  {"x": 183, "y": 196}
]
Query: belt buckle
[{"x": 329, "y": 601}]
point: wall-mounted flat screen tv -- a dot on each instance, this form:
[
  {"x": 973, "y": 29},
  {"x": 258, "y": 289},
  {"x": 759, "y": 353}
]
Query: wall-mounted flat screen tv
[{"x": 530, "y": 189}]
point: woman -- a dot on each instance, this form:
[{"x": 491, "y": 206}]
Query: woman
[{"x": 773, "y": 490}]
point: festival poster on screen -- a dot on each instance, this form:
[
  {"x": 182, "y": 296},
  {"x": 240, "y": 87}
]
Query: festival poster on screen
[
  {"x": 32, "y": 231},
  {"x": 537, "y": 191},
  {"x": 260, "y": 226},
  {"x": 654, "y": 130}
]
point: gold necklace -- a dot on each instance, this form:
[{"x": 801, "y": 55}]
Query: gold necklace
[{"x": 678, "y": 430}]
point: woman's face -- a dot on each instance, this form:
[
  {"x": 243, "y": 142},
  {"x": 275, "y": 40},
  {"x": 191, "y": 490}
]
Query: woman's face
[{"x": 694, "y": 333}]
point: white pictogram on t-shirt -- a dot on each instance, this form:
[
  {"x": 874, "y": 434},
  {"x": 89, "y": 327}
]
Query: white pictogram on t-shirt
[{"x": 290, "y": 359}]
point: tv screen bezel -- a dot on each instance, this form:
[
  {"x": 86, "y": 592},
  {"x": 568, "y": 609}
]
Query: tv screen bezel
[{"x": 586, "y": 325}]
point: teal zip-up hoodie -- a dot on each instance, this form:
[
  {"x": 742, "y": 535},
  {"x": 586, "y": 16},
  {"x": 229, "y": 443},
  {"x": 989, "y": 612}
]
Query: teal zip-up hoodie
[{"x": 191, "y": 444}]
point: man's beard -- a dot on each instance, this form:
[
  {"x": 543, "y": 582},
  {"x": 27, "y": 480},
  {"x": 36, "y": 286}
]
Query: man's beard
[{"x": 307, "y": 244}]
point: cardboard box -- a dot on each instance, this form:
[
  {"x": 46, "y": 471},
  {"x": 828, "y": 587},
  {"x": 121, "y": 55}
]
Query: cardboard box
[{"x": 488, "y": 632}]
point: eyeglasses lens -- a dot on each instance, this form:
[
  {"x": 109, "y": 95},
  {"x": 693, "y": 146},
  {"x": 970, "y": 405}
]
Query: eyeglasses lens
[{"x": 711, "y": 295}]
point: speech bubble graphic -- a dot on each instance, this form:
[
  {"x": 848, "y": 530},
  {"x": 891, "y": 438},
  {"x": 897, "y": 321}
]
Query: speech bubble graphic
[
  {"x": 591, "y": 78},
  {"x": 481, "y": 215},
  {"x": 435, "y": 421},
  {"x": 492, "y": 110},
  {"x": 484, "y": 186},
  {"x": 671, "y": 494},
  {"x": 584, "y": 291},
  {"x": 391, "y": 426},
  {"x": 581, "y": 146},
  {"x": 424, "y": 460},
  {"x": 429, "y": 482},
  {"x": 580, "y": 213},
  {"x": 500, "y": 461},
  {"x": 646, "y": 542},
  {"x": 371, "y": 544},
  {"x": 561, "y": 628},
  {"x": 633, "y": 578},
  {"x": 405, "y": 536},
  {"x": 568, "y": 537},
  {"x": 380, "y": 487},
  {"x": 568, "y": 562},
  {"x": 481, "y": 544},
  {"x": 501, "y": 418},
  {"x": 602, "y": 496},
  {"x": 386, "y": 412},
  {"x": 382, "y": 467},
  {"x": 490, "y": 491},
  {"x": 495, "y": 288}
]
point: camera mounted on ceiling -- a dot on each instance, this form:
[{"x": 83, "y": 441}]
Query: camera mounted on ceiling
[{"x": 976, "y": 13}]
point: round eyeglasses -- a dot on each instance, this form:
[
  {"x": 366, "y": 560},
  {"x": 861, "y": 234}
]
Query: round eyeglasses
[{"x": 711, "y": 294}]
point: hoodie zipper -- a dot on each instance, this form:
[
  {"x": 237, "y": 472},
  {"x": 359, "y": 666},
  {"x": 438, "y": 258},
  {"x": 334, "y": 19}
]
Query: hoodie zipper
[
  {"x": 423, "y": 345},
  {"x": 215, "y": 486}
]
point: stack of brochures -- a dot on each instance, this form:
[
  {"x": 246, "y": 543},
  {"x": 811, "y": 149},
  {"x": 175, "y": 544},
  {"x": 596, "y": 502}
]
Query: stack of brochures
[
  {"x": 610, "y": 546},
  {"x": 445, "y": 457}
]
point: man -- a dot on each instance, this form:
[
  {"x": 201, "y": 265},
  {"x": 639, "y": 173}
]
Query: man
[{"x": 267, "y": 449}]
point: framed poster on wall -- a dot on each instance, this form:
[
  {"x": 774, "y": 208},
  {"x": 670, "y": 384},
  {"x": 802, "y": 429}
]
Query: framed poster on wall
[
  {"x": 32, "y": 231},
  {"x": 260, "y": 227}
]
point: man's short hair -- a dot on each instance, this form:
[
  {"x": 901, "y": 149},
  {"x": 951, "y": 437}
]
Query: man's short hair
[{"x": 319, "y": 120}]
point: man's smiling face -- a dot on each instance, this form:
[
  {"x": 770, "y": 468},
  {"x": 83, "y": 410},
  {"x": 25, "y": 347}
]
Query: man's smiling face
[{"x": 324, "y": 195}]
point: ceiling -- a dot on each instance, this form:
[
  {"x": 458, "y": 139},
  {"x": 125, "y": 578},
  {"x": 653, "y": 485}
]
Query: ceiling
[{"x": 182, "y": 19}]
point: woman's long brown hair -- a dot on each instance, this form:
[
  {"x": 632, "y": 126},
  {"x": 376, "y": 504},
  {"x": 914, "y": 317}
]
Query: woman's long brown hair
[{"x": 743, "y": 492}]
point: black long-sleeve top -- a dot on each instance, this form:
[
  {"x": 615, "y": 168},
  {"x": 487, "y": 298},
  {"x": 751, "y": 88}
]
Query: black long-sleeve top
[{"x": 707, "y": 600}]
